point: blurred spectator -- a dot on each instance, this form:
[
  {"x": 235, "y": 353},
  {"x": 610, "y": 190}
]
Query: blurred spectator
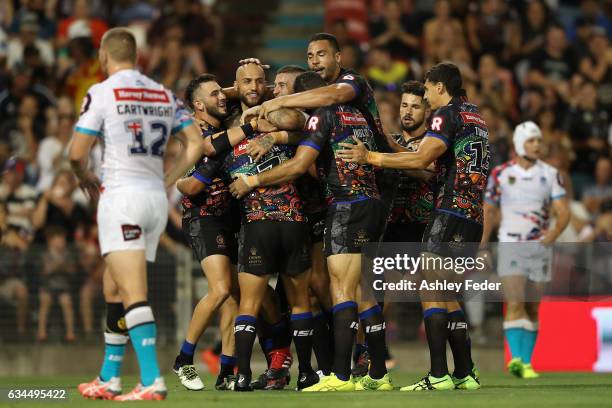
[
  {"x": 388, "y": 106},
  {"x": 58, "y": 266},
  {"x": 442, "y": 34},
  {"x": 495, "y": 86},
  {"x": 23, "y": 133},
  {"x": 579, "y": 227},
  {"x": 594, "y": 195},
  {"x": 532, "y": 103},
  {"x": 490, "y": 25},
  {"x": 33, "y": 11},
  {"x": 592, "y": 14},
  {"x": 397, "y": 30},
  {"x": 52, "y": 154},
  {"x": 12, "y": 288},
  {"x": 20, "y": 85},
  {"x": 92, "y": 265},
  {"x": 29, "y": 35},
  {"x": 552, "y": 131},
  {"x": 597, "y": 65},
  {"x": 352, "y": 57},
  {"x": 385, "y": 73},
  {"x": 19, "y": 200},
  {"x": 587, "y": 125},
  {"x": 499, "y": 135},
  {"x": 79, "y": 24},
  {"x": 552, "y": 67},
  {"x": 57, "y": 208},
  {"x": 533, "y": 29},
  {"x": 175, "y": 69}
]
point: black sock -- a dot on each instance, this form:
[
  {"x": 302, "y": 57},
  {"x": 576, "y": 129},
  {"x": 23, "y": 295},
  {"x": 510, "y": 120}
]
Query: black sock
[
  {"x": 436, "y": 322},
  {"x": 302, "y": 329},
  {"x": 227, "y": 365},
  {"x": 345, "y": 330},
  {"x": 359, "y": 349},
  {"x": 321, "y": 343},
  {"x": 459, "y": 342},
  {"x": 217, "y": 348},
  {"x": 373, "y": 324},
  {"x": 264, "y": 336},
  {"x": 281, "y": 333},
  {"x": 245, "y": 330}
]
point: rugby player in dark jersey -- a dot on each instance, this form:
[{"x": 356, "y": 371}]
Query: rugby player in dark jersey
[
  {"x": 275, "y": 241},
  {"x": 207, "y": 221},
  {"x": 355, "y": 216},
  {"x": 457, "y": 139}
]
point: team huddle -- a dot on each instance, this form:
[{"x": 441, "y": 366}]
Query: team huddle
[{"x": 293, "y": 181}]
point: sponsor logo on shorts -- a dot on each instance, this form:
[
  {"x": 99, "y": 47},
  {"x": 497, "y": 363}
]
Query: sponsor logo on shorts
[
  {"x": 220, "y": 241},
  {"x": 362, "y": 238},
  {"x": 254, "y": 258},
  {"x": 131, "y": 232}
]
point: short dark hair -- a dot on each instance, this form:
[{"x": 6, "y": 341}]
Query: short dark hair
[
  {"x": 449, "y": 75},
  {"x": 326, "y": 37},
  {"x": 308, "y": 80},
  {"x": 55, "y": 230},
  {"x": 194, "y": 84},
  {"x": 291, "y": 69},
  {"x": 413, "y": 88}
]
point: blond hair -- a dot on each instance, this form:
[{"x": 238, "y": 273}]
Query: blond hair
[{"x": 120, "y": 45}]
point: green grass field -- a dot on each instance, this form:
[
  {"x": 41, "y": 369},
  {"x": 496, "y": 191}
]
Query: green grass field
[{"x": 500, "y": 390}]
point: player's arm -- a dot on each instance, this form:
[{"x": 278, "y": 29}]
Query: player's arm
[
  {"x": 311, "y": 99},
  {"x": 429, "y": 150},
  {"x": 222, "y": 142},
  {"x": 287, "y": 119},
  {"x": 78, "y": 154},
  {"x": 561, "y": 210},
  {"x": 201, "y": 177},
  {"x": 258, "y": 147},
  {"x": 285, "y": 172},
  {"x": 193, "y": 150},
  {"x": 491, "y": 212}
]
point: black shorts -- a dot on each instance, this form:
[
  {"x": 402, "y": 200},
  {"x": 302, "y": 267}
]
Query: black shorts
[
  {"x": 211, "y": 235},
  {"x": 451, "y": 235},
  {"x": 275, "y": 247},
  {"x": 316, "y": 224},
  {"x": 349, "y": 226},
  {"x": 404, "y": 232}
]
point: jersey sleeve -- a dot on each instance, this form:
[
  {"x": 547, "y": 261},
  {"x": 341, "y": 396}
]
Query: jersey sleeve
[
  {"x": 558, "y": 186},
  {"x": 442, "y": 125},
  {"x": 91, "y": 118},
  {"x": 182, "y": 118},
  {"x": 357, "y": 82},
  {"x": 207, "y": 167},
  {"x": 493, "y": 192},
  {"x": 317, "y": 130}
]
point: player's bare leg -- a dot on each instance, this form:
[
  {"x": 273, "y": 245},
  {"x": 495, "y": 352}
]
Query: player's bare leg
[
  {"x": 128, "y": 270},
  {"x": 107, "y": 385}
]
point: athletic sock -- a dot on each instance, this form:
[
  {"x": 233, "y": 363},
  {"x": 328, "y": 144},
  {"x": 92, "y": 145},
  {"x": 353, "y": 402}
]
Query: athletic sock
[
  {"x": 227, "y": 365},
  {"x": 264, "y": 337},
  {"x": 321, "y": 343},
  {"x": 245, "y": 329},
  {"x": 436, "y": 322},
  {"x": 373, "y": 324},
  {"x": 514, "y": 330},
  {"x": 458, "y": 340},
  {"x": 530, "y": 336},
  {"x": 114, "y": 350},
  {"x": 358, "y": 350},
  {"x": 185, "y": 356},
  {"x": 281, "y": 333},
  {"x": 143, "y": 331},
  {"x": 345, "y": 330},
  {"x": 302, "y": 331}
]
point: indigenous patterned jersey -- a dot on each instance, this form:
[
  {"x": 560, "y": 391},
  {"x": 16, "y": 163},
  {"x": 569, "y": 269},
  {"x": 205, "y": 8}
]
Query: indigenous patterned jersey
[
  {"x": 366, "y": 104},
  {"x": 215, "y": 199},
  {"x": 134, "y": 116},
  {"x": 274, "y": 203},
  {"x": 462, "y": 170},
  {"x": 325, "y": 130},
  {"x": 524, "y": 196},
  {"x": 312, "y": 192},
  {"x": 414, "y": 199}
]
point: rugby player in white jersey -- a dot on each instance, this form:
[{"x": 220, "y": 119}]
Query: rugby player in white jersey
[
  {"x": 133, "y": 117},
  {"x": 523, "y": 192}
]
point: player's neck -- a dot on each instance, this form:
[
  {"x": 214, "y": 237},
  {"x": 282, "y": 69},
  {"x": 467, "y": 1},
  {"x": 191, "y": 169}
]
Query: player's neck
[
  {"x": 525, "y": 163},
  {"x": 209, "y": 119},
  {"x": 115, "y": 67},
  {"x": 418, "y": 132}
]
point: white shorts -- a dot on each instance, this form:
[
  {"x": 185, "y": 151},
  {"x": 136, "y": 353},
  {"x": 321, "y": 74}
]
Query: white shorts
[
  {"x": 529, "y": 259},
  {"x": 132, "y": 221}
]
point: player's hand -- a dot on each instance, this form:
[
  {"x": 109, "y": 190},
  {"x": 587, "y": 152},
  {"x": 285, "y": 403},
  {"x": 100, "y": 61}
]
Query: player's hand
[
  {"x": 253, "y": 61},
  {"x": 90, "y": 184},
  {"x": 257, "y": 148},
  {"x": 354, "y": 153},
  {"x": 242, "y": 185},
  {"x": 264, "y": 126},
  {"x": 270, "y": 106},
  {"x": 247, "y": 114}
]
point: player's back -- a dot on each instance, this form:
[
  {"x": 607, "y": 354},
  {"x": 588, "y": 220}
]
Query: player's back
[{"x": 134, "y": 116}]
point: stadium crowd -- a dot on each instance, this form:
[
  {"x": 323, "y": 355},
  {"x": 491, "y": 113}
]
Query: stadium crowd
[{"x": 519, "y": 62}]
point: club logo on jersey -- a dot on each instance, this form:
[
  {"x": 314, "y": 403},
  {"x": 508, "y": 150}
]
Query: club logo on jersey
[
  {"x": 85, "y": 104},
  {"x": 312, "y": 123},
  {"x": 352, "y": 119},
  {"x": 436, "y": 123},
  {"x": 141, "y": 95},
  {"x": 131, "y": 232},
  {"x": 349, "y": 77},
  {"x": 543, "y": 180}
]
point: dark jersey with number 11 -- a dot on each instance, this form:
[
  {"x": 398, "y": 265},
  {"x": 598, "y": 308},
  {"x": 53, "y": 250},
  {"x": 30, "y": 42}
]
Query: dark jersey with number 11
[{"x": 463, "y": 169}]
